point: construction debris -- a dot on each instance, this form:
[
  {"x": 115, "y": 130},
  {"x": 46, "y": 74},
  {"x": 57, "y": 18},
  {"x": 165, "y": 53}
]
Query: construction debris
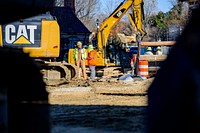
[{"x": 127, "y": 39}]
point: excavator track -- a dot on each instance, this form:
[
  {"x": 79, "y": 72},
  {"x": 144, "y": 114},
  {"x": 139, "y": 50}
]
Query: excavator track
[{"x": 56, "y": 73}]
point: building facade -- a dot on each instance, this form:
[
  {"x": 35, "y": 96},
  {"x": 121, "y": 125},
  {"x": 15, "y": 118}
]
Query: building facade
[{"x": 72, "y": 29}]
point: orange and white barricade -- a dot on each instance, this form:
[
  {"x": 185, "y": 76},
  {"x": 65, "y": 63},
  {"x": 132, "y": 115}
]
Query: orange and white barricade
[{"x": 143, "y": 68}]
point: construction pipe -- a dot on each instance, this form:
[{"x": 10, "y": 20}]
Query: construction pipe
[{"x": 162, "y": 43}]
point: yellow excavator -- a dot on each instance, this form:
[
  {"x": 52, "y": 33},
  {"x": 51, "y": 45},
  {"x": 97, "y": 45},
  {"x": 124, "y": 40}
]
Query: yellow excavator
[
  {"x": 136, "y": 18},
  {"x": 40, "y": 37}
]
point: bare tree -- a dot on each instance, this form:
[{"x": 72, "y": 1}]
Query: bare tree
[
  {"x": 86, "y": 11},
  {"x": 150, "y": 8},
  {"x": 59, "y": 3},
  {"x": 109, "y": 6},
  {"x": 178, "y": 12},
  {"x": 173, "y": 2}
]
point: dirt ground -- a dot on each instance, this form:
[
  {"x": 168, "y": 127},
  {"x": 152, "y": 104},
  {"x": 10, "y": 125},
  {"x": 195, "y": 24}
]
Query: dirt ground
[{"x": 99, "y": 107}]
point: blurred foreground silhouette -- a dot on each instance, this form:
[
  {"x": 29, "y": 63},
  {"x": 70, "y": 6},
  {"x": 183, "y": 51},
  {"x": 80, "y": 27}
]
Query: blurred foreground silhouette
[
  {"x": 174, "y": 95},
  {"x": 23, "y": 98}
]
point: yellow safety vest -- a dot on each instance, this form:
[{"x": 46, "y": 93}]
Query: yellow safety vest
[{"x": 83, "y": 52}]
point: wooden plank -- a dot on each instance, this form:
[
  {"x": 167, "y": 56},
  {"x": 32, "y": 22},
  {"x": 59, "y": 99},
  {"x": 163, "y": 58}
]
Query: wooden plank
[
  {"x": 153, "y": 57},
  {"x": 162, "y": 43}
]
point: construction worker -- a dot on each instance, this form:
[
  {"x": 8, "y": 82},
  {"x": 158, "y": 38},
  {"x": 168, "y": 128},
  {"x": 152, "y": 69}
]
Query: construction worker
[
  {"x": 80, "y": 56},
  {"x": 133, "y": 64},
  {"x": 92, "y": 62},
  {"x": 158, "y": 51},
  {"x": 149, "y": 51}
]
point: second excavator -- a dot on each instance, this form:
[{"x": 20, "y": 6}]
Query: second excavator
[{"x": 136, "y": 16}]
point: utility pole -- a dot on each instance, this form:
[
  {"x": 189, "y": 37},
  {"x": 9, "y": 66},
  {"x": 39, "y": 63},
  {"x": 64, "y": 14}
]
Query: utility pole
[{"x": 138, "y": 41}]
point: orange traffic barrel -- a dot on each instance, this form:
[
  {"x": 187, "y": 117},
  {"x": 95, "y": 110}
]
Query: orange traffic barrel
[{"x": 143, "y": 68}]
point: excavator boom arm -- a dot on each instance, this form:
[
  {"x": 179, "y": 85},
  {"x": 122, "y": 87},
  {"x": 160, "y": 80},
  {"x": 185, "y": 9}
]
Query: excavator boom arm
[
  {"x": 108, "y": 23},
  {"x": 136, "y": 19}
]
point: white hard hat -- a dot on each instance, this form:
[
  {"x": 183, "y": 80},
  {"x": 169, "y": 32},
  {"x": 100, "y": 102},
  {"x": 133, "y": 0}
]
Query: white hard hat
[
  {"x": 158, "y": 48},
  {"x": 90, "y": 47},
  {"x": 149, "y": 48},
  {"x": 79, "y": 43}
]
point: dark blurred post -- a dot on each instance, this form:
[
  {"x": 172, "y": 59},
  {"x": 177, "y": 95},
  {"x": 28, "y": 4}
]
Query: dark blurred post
[
  {"x": 24, "y": 104},
  {"x": 3, "y": 110},
  {"x": 138, "y": 39}
]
